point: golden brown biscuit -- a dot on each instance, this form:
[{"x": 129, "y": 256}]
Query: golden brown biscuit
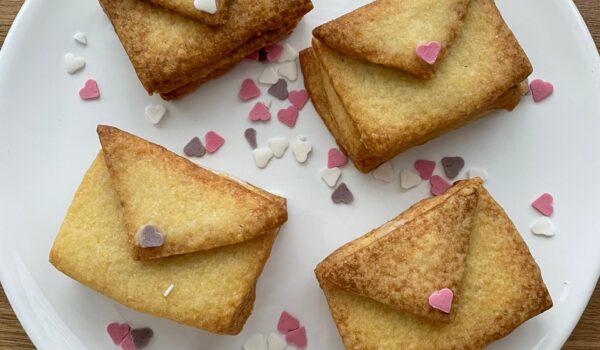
[
  {"x": 387, "y": 32},
  {"x": 344, "y": 129},
  {"x": 92, "y": 248},
  {"x": 170, "y": 51},
  {"x": 403, "y": 262},
  {"x": 502, "y": 288},
  {"x": 196, "y": 209},
  {"x": 187, "y": 8}
]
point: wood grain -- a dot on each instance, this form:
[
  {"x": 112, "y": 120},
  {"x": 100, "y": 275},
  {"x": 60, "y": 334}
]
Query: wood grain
[{"x": 585, "y": 337}]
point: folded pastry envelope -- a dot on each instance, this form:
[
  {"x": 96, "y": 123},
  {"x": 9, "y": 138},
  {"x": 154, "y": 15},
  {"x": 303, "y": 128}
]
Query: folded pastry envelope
[
  {"x": 502, "y": 286},
  {"x": 386, "y": 111},
  {"x": 92, "y": 248},
  {"x": 187, "y": 8},
  {"x": 172, "y": 53},
  {"x": 388, "y": 32},
  {"x": 194, "y": 208}
]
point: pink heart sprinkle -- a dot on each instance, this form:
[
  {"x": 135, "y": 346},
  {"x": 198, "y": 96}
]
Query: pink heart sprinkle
[
  {"x": 429, "y": 52},
  {"x": 298, "y": 98},
  {"x": 128, "y": 343},
  {"x": 288, "y": 116},
  {"x": 259, "y": 112},
  {"x": 249, "y": 90},
  {"x": 213, "y": 141},
  {"x": 425, "y": 168},
  {"x": 540, "y": 89},
  {"x": 118, "y": 332},
  {"x": 442, "y": 300},
  {"x": 297, "y": 338},
  {"x": 274, "y": 52},
  {"x": 544, "y": 204},
  {"x": 90, "y": 90},
  {"x": 439, "y": 186},
  {"x": 287, "y": 323},
  {"x": 253, "y": 56},
  {"x": 335, "y": 158}
]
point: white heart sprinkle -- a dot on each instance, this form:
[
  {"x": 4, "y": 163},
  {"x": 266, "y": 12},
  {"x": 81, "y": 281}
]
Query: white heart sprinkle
[
  {"x": 409, "y": 179},
  {"x": 275, "y": 342},
  {"x": 544, "y": 227},
  {"x": 262, "y": 156},
  {"x": 301, "y": 149},
  {"x": 80, "y": 38},
  {"x": 288, "y": 54},
  {"x": 255, "y": 342},
  {"x": 473, "y": 173},
  {"x": 278, "y": 145},
  {"x": 209, "y": 6},
  {"x": 73, "y": 63},
  {"x": 268, "y": 76},
  {"x": 267, "y": 102},
  {"x": 289, "y": 70},
  {"x": 385, "y": 172},
  {"x": 330, "y": 176},
  {"x": 155, "y": 113}
]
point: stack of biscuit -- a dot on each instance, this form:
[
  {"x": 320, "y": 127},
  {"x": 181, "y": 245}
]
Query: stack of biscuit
[
  {"x": 451, "y": 272},
  {"x": 379, "y": 95},
  {"x": 175, "y": 47},
  {"x": 161, "y": 235}
]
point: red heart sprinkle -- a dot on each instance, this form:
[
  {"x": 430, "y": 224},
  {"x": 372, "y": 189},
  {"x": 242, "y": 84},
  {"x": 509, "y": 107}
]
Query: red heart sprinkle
[
  {"x": 90, "y": 90},
  {"x": 297, "y": 338},
  {"x": 213, "y": 141},
  {"x": 118, "y": 332},
  {"x": 288, "y": 116},
  {"x": 439, "y": 186},
  {"x": 335, "y": 158},
  {"x": 298, "y": 98},
  {"x": 287, "y": 323},
  {"x": 249, "y": 90},
  {"x": 259, "y": 112},
  {"x": 544, "y": 204},
  {"x": 425, "y": 168},
  {"x": 540, "y": 89},
  {"x": 274, "y": 52},
  {"x": 253, "y": 56}
]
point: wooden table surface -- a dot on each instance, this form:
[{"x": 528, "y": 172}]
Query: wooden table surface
[{"x": 586, "y": 335}]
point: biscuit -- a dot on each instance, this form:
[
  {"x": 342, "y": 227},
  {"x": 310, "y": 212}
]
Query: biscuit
[
  {"x": 387, "y": 32},
  {"x": 91, "y": 247},
  {"x": 502, "y": 288},
  {"x": 187, "y": 8},
  {"x": 402, "y": 262},
  {"x": 195, "y": 208}
]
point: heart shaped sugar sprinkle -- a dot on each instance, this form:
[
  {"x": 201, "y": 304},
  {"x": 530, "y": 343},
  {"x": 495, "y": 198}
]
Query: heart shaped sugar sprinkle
[
  {"x": 279, "y": 90},
  {"x": 442, "y": 300},
  {"x": 253, "y": 56},
  {"x": 213, "y": 141},
  {"x": 544, "y": 204},
  {"x": 275, "y": 342},
  {"x": 288, "y": 70},
  {"x": 335, "y": 158},
  {"x": 301, "y": 150},
  {"x": 90, "y": 90},
  {"x": 288, "y": 54},
  {"x": 274, "y": 52},
  {"x": 268, "y": 76},
  {"x": 287, "y": 323},
  {"x": 262, "y": 156},
  {"x": 425, "y": 168},
  {"x": 452, "y": 166},
  {"x": 255, "y": 342},
  {"x": 73, "y": 63},
  {"x": 288, "y": 116},
  {"x": 250, "y": 135},
  {"x": 439, "y": 186},
  {"x": 409, "y": 179},
  {"x": 148, "y": 236},
  {"x": 385, "y": 172},
  {"x": 155, "y": 113},
  {"x": 543, "y": 227},
  {"x": 540, "y": 89},
  {"x": 278, "y": 145},
  {"x": 342, "y": 194},
  {"x": 429, "y": 52},
  {"x": 141, "y": 337},
  {"x": 297, "y": 338},
  {"x": 480, "y": 173},
  {"x": 330, "y": 176},
  {"x": 260, "y": 112},
  {"x": 298, "y": 98},
  {"x": 249, "y": 90},
  {"x": 208, "y": 6},
  {"x": 194, "y": 148},
  {"x": 118, "y": 331},
  {"x": 80, "y": 38}
]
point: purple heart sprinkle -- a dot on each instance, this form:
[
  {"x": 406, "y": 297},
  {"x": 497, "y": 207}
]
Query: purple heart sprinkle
[
  {"x": 250, "y": 135},
  {"x": 279, "y": 90},
  {"x": 342, "y": 195},
  {"x": 141, "y": 337},
  {"x": 149, "y": 237},
  {"x": 453, "y": 166},
  {"x": 194, "y": 148}
]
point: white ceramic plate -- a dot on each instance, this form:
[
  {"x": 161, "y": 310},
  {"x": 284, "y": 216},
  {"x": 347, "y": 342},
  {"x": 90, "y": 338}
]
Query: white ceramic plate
[{"x": 47, "y": 141}]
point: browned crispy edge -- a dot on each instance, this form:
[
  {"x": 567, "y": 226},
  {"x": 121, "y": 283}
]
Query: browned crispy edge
[
  {"x": 278, "y": 203},
  {"x": 216, "y": 19}
]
